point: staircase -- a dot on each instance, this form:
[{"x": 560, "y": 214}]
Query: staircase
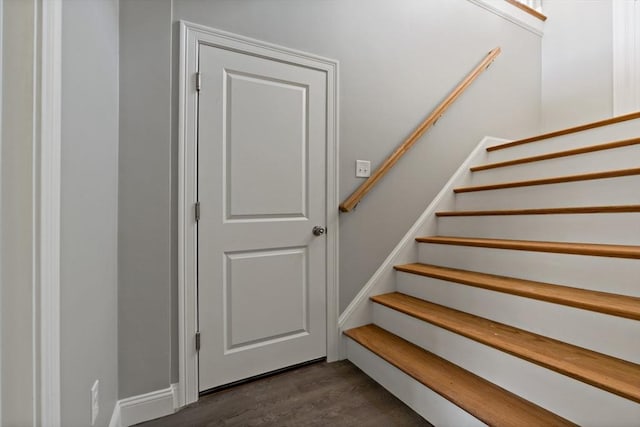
[{"x": 515, "y": 301}]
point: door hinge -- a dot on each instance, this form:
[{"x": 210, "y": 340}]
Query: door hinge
[
  {"x": 197, "y": 211},
  {"x": 198, "y": 81},
  {"x": 198, "y": 341}
]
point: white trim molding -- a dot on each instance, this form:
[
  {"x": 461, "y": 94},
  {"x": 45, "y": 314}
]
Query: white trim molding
[
  {"x": 1, "y": 148},
  {"x": 512, "y": 14},
  {"x": 35, "y": 52},
  {"x": 144, "y": 407},
  {"x": 116, "y": 417},
  {"x": 49, "y": 211},
  {"x": 626, "y": 56},
  {"x": 191, "y": 36},
  {"x": 359, "y": 311},
  {"x": 1, "y": 223}
]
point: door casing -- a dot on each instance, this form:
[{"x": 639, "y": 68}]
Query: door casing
[{"x": 191, "y": 37}]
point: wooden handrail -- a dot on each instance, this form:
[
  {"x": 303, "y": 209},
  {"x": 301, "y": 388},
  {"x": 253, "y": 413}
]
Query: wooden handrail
[
  {"x": 366, "y": 186},
  {"x": 528, "y": 9}
]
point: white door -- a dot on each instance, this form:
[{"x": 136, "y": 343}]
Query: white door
[{"x": 262, "y": 190}]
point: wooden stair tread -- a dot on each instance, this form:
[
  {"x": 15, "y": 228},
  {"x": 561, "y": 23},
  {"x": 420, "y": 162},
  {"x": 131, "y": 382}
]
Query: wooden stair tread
[
  {"x": 546, "y": 211},
  {"x": 552, "y": 180},
  {"x": 608, "y": 373},
  {"x": 567, "y": 131},
  {"x": 484, "y": 400},
  {"x": 558, "y": 154},
  {"x": 602, "y": 302},
  {"x": 615, "y": 251}
]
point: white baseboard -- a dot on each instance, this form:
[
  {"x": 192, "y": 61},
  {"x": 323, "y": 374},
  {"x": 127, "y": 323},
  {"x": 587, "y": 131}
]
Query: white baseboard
[
  {"x": 115, "y": 416},
  {"x": 144, "y": 407}
]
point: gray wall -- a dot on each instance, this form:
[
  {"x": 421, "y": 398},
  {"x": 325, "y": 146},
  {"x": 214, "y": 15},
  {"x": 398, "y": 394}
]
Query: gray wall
[
  {"x": 577, "y": 62},
  {"x": 397, "y": 61},
  {"x": 17, "y": 228},
  {"x": 89, "y": 208},
  {"x": 146, "y": 267}
]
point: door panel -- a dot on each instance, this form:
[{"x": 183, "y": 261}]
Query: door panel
[
  {"x": 250, "y": 318},
  {"x": 262, "y": 188},
  {"x": 277, "y": 109}
]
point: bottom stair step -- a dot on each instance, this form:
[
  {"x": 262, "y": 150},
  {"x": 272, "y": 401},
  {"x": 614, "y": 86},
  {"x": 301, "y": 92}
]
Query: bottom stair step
[{"x": 486, "y": 401}]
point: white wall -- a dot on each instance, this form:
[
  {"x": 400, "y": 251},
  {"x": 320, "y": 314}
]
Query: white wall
[
  {"x": 626, "y": 56},
  {"x": 89, "y": 204},
  {"x": 397, "y": 61},
  {"x": 577, "y": 62},
  {"x": 17, "y": 224},
  {"x": 146, "y": 267}
]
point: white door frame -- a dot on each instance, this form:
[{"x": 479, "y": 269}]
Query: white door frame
[
  {"x": 48, "y": 246},
  {"x": 45, "y": 212},
  {"x": 191, "y": 36}
]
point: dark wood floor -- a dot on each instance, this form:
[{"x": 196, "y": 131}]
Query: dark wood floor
[{"x": 322, "y": 394}]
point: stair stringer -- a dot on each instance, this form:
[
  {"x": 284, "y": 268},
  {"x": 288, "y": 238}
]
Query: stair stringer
[{"x": 360, "y": 311}]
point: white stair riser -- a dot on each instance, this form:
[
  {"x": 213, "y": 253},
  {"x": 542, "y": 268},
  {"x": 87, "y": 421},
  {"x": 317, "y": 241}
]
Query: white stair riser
[
  {"x": 598, "y": 161},
  {"x": 613, "y": 228},
  {"x": 430, "y": 405},
  {"x": 569, "y": 398},
  {"x": 614, "y": 275},
  {"x": 625, "y": 130},
  {"x": 597, "y": 192},
  {"x": 571, "y": 325}
]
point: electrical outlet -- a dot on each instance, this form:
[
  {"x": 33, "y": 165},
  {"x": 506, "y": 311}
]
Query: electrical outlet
[
  {"x": 363, "y": 168},
  {"x": 95, "y": 402}
]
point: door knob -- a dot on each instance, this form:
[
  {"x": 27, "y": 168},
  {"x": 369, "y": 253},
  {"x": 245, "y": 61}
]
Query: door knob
[{"x": 319, "y": 230}]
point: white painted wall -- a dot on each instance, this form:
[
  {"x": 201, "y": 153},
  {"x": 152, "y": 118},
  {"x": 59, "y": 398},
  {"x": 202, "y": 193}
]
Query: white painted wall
[
  {"x": 626, "y": 56},
  {"x": 147, "y": 219},
  {"x": 89, "y": 204},
  {"x": 17, "y": 223},
  {"x": 397, "y": 61},
  {"x": 577, "y": 62}
]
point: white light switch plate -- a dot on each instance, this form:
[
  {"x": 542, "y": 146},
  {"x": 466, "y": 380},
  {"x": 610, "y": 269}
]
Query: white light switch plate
[{"x": 363, "y": 168}]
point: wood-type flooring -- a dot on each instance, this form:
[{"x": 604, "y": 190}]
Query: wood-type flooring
[{"x": 322, "y": 394}]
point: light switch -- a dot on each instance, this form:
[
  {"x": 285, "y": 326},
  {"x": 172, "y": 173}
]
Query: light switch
[{"x": 363, "y": 168}]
